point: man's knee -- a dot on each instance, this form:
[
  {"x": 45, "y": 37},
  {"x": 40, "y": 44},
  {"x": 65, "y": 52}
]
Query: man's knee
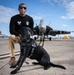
[{"x": 12, "y": 37}]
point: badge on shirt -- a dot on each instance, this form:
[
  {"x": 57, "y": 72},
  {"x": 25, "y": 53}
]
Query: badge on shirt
[
  {"x": 19, "y": 22},
  {"x": 27, "y": 23}
]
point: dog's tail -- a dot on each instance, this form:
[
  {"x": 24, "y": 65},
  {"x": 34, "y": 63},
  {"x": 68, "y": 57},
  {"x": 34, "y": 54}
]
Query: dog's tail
[{"x": 58, "y": 66}]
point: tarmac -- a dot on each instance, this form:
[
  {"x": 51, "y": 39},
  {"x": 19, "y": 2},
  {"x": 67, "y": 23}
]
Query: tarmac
[{"x": 61, "y": 52}]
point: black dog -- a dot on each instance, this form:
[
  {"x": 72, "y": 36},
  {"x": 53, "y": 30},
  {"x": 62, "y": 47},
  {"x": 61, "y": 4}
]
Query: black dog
[{"x": 29, "y": 48}]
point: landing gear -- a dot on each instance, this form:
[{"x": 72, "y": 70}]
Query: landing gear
[
  {"x": 50, "y": 39},
  {"x": 35, "y": 38},
  {"x": 42, "y": 40}
]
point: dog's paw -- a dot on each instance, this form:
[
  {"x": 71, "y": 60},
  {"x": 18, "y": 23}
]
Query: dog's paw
[
  {"x": 27, "y": 62},
  {"x": 13, "y": 72},
  {"x": 35, "y": 63},
  {"x": 46, "y": 67}
]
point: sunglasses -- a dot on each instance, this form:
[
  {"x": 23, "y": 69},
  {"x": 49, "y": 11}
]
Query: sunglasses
[{"x": 22, "y": 7}]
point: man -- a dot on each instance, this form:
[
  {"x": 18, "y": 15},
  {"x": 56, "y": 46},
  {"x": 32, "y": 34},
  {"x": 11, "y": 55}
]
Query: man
[{"x": 16, "y": 23}]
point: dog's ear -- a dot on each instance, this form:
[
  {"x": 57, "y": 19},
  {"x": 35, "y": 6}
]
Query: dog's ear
[
  {"x": 22, "y": 30},
  {"x": 30, "y": 31}
]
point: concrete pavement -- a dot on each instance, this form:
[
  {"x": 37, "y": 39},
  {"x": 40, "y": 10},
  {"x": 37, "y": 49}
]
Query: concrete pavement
[{"x": 60, "y": 51}]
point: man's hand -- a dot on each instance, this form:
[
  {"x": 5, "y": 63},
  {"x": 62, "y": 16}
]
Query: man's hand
[{"x": 19, "y": 35}]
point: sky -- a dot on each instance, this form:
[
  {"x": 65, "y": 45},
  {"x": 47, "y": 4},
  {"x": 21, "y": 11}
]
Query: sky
[{"x": 58, "y": 14}]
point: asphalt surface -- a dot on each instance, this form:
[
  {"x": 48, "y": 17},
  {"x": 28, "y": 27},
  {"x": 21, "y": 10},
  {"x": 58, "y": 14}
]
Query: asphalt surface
[{"x": 61, "y": 52}]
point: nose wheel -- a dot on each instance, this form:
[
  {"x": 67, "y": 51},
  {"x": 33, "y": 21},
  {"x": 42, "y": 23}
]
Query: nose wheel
[
  {"x": 50, "y": 39},
  {"x": 42, "y": 40},
  {"x": 35, "y": 38}
]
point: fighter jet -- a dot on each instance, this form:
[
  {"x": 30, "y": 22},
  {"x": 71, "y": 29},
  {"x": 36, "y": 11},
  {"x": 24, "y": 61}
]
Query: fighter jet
[
  {"x": 2, "y": 35},
  {"x": 43, "y": 30}
]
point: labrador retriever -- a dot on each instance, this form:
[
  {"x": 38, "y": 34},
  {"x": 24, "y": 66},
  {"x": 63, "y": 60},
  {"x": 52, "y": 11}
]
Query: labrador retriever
[{"x": 29, "y": 48}]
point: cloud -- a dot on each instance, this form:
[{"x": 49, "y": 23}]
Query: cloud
[
  {"x": 64, "y": 25},
  {"x": 70, "y": 10},
  {"x": 63, "y": 17},
  {"x": 36, "y": 17},
  {"x": 59, "y": 2},
  {"x": 6, "y": 13},
  {"x": 67, "y": 4}
]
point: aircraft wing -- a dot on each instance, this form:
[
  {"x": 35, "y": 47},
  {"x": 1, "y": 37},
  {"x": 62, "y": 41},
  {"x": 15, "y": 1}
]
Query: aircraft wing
[
  {"x": 57, "y": 32},
  {"x": 50, "y": 31}
]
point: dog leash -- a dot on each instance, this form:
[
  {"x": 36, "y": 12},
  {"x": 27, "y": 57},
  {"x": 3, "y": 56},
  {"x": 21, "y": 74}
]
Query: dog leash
[
  {"x": 33, "y": 45},
  {"x": 3, "y": 66},
  {"x": 31, "y": 52}
]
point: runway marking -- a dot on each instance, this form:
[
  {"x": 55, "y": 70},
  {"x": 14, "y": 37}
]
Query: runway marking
[
  {"x": 3, "y": 42},
  {"x": 3, "y": 66},
  {"x": 3, "y": 56}
]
